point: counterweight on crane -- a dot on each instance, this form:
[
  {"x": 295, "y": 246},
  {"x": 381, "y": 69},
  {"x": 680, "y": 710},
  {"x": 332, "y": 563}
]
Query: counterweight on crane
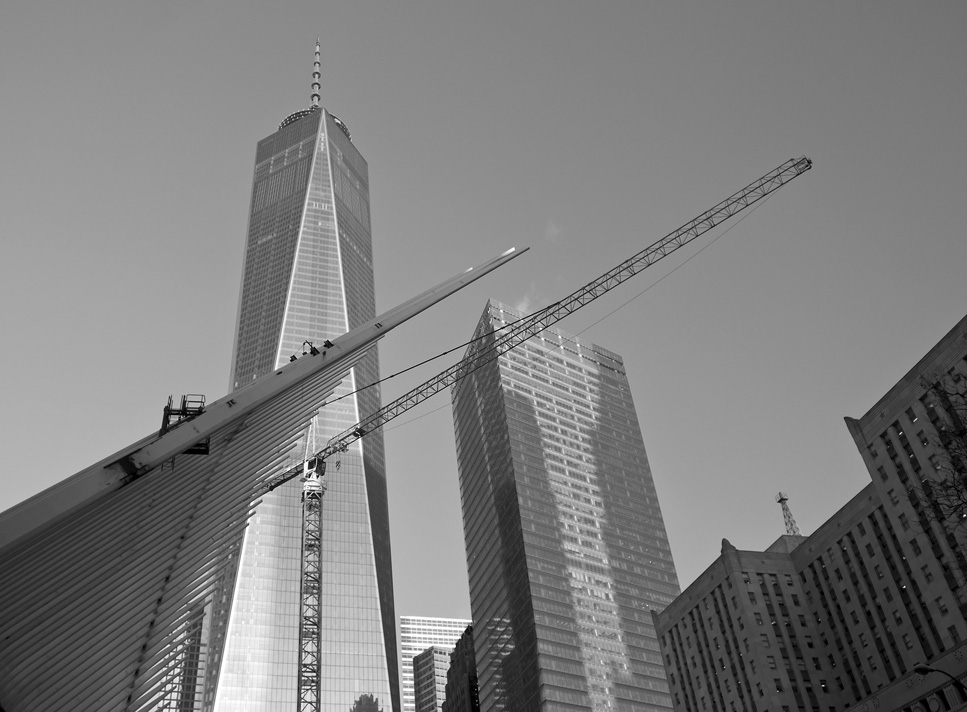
[{"x": 477, "y": 356}]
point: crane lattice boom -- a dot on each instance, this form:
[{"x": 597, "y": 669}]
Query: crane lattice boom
[{"x": 524, "y": 329}]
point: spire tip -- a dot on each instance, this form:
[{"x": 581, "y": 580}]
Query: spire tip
[{"x": 316, "y": 75}]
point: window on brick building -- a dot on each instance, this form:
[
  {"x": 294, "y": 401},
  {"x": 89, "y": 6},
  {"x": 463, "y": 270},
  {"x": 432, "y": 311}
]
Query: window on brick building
[{"x": 915, "y": 547}]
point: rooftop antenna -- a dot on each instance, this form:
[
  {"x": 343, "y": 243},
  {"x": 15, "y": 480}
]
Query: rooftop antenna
[
  {"x": 783, "y": 499},
  {"x": 316, "y": 75}
]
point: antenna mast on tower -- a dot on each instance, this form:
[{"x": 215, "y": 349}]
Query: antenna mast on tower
[
  {"x": 316, "y": 77},
  {"x": 783, "y": 499}
]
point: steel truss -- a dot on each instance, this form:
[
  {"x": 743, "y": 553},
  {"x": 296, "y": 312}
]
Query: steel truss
[{"x": 312, "y": 494}]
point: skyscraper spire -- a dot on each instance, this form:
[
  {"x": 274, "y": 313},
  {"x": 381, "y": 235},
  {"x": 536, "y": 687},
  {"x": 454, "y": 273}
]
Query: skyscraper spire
[{"x": 316, "y": 74}]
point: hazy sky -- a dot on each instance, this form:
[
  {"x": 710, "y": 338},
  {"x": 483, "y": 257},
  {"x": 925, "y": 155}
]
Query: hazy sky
[{"x": 583, "y": 130}]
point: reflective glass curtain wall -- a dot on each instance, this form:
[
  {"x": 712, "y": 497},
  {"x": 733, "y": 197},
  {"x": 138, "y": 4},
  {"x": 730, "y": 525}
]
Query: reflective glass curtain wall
[
  {"x": 308, "y": 276},
  {"x": 566, "y": 548}
]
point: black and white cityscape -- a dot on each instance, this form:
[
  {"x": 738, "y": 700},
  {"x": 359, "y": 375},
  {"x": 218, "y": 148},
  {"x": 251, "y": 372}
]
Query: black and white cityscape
[{"x": 552, "y": 358}]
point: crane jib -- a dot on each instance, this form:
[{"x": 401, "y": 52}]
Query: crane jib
[{"x": 480, "y": 354}]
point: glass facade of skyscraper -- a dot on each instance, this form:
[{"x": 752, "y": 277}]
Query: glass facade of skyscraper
[
  {"x": 308, "y": 276},
  {"x": 566, "y": 548}
]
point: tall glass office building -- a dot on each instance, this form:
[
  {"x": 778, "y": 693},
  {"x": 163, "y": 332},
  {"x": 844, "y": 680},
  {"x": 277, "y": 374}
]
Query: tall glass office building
[
  {"x": 308, "y": 276},
  {"x": 566, "y": 548},
  {"x": 416, "y": 635}
]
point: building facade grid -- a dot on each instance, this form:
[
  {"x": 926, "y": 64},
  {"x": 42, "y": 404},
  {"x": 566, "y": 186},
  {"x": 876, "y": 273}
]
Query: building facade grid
[
  {"x": 416, "y": 635},
  {"x": 430, "y": 678}
]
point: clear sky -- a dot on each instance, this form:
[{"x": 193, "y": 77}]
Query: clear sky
[{"x": 583, "y": 130}]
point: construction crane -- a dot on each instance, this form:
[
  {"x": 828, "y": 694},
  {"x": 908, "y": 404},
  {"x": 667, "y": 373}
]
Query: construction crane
[
  {"x": 478, "y": 355},
  {"x": 791, "y": 528}
]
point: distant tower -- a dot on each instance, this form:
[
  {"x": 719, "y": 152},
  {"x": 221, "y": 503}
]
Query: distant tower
[
  {"x": 416, "y": 635},
  {"x": 783, "y": 499}
]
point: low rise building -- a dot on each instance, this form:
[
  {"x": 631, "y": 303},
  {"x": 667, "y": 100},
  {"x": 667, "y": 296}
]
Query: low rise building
[{"x": 869, "y": 609}]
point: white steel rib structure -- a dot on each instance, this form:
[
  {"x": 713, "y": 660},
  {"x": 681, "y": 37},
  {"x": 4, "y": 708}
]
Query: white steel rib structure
[{"x": 111, "y": 578}]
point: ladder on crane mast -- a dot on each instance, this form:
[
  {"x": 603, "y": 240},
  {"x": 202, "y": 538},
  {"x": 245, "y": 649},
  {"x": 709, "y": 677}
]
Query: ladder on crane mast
[
  {"x": 477, "y": 356},
  {"x": 310, "y": 575}
]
